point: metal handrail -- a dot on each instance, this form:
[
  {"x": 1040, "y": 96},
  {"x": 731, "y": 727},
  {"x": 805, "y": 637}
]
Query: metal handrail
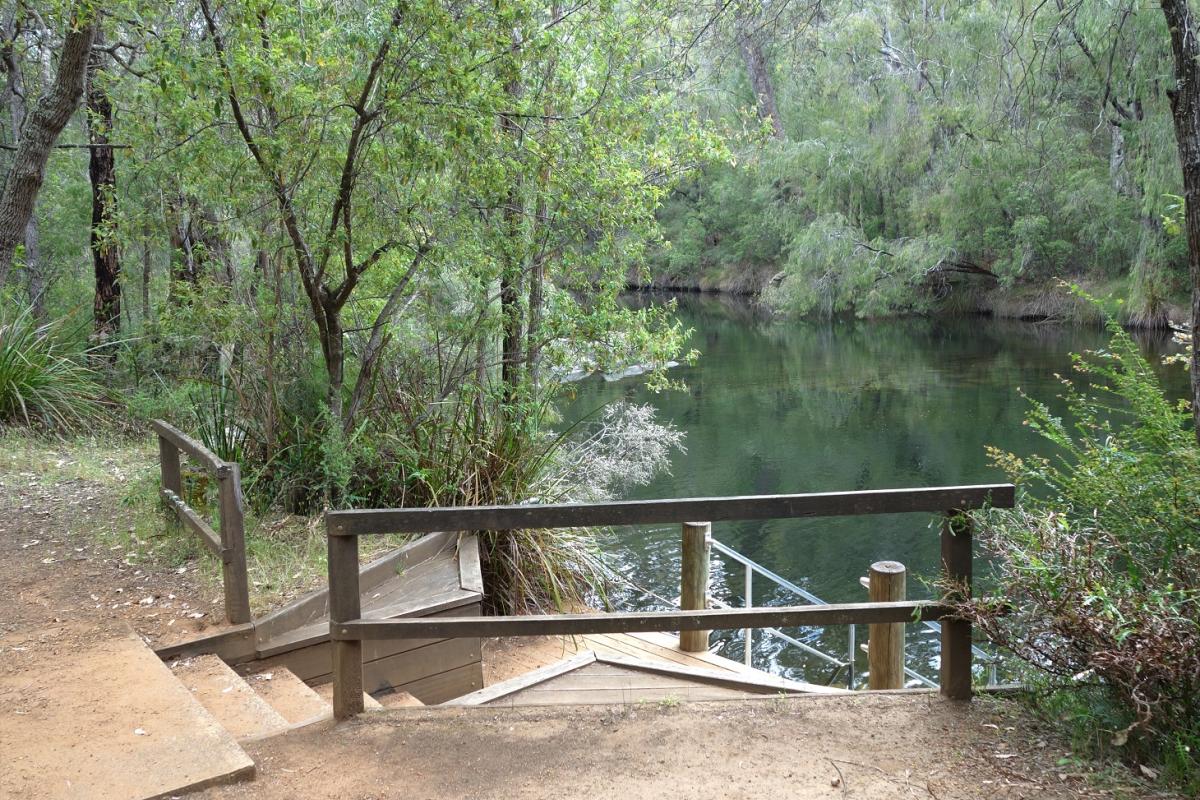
[{"x": 753, "y": 566}]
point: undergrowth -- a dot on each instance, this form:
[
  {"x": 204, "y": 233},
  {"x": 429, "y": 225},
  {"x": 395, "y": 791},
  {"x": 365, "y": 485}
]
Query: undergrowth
[{"x": 1099, "y": 567}]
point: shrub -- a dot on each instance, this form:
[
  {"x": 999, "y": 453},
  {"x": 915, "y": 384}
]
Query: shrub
[
  {"x": 41, "y": 384},
  {"x": 1099, "y": 569}
]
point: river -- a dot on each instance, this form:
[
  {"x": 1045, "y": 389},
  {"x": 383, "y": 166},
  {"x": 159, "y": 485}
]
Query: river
[{"x": 777, "y": 406}]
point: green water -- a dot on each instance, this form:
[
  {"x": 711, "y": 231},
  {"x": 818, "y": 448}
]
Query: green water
[{"x": 782, "y": 407}]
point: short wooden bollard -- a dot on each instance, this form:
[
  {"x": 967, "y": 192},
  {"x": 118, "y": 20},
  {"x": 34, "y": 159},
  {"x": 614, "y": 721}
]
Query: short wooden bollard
[
  {"x": 693, "y": 586},
  {"x": 885, "y": 648}
]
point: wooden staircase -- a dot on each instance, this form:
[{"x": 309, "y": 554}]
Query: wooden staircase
[
  {"x": 436, "y": 575},
  {"x": 257, "y": 705}
]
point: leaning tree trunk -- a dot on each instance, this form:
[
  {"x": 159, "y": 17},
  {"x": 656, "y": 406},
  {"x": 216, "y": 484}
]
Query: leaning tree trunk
[
  {"x": 1185, "y": 110},
  {"x": 102, "y": 172},
  {"x": 41, "y": 129},
  {"x": 15, "y": 93}
]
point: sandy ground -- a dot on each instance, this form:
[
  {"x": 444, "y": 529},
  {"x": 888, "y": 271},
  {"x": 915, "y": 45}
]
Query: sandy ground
[
  {"x": 895, "y": 746},
  {"x": 65, "y": 584}
]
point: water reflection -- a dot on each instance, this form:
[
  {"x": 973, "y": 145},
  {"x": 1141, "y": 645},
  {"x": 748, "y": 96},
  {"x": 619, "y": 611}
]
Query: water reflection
[{"x": 829, "y": 406}]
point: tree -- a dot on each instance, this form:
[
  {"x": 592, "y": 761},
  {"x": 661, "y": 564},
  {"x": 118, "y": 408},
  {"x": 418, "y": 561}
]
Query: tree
[
  {"x": 38, "y": 134},
  {"x": 15, "y": 91},
  {"x": 1185, "y": 111},
  {"x": 103, "y": 176}
]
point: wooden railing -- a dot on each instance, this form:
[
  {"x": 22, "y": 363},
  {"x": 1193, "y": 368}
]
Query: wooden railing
[
  {"x": 349, "y": 630},
  {"x": 229, "y": 544}
]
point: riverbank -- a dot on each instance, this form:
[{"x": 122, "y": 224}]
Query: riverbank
[{"x": 1051, "y": 301}]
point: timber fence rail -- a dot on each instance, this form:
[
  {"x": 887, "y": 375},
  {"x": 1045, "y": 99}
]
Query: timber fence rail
[
  {"x": 229, "y": 543},
  {"x": 349, "y": 630}
]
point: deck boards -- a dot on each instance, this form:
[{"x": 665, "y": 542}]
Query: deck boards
[
  {"x": 505, "y": 659},
  {"x": 591, "y": 678}
]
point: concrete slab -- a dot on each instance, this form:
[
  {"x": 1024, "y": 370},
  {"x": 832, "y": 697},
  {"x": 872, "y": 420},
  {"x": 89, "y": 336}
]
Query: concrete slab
[
  {"x": 229, "y": 698},
  {"x": 289, "y": 695},
  {"x": 111, "y": 723}
]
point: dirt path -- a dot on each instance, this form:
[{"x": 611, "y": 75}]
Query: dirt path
[
  {"x": 860, "y": 747},
  {"x": 68, "y": 578},
  {"x": 68, "y": 575}
]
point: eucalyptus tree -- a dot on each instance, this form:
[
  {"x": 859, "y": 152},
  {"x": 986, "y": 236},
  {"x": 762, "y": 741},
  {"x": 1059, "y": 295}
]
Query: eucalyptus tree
[
  {"x": 76, "y": 23},
  {"x": 1184, "y": 29}
]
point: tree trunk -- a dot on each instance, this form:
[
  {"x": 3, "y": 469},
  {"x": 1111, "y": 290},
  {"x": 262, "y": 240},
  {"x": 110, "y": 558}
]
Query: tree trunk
[
  {"x": 15, "y": 94},
  {"x": 147, "y": 265},
  {"x": 513, "y": 251},
  {"x": 41, "y": 129},
  {"x": 102, "y": 172},
  {"x": 760, "y": 76},
  {"x": 541, "y": 223},
  {"x": 1185, "y": 110}
]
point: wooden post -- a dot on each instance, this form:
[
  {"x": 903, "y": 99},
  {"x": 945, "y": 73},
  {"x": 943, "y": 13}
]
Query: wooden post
[
  {"x": 344, "y": 606},
  {"x": 168, "y": 460},
  {"x": 693, "y": 586},
  {"x": 233, "y": 544},
  {"x": 956, "y": 633},
  {"x": 885, "y": 647}
]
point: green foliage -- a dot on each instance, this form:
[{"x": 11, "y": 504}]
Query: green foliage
[
  {"x": 42, "y": 383},
  {"x": 966, "y": 143},
  {"x": 1099, "y": 570}
]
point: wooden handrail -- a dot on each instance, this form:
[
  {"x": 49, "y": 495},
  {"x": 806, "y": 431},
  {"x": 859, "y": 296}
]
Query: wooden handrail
[
  {"x": 205, "y": 457},
  {"x": 230, "y": 543},
  {"x": 640, "y": 622},
  {"x": 647, "y": 512},
  {"x": 348, "y": 629}
]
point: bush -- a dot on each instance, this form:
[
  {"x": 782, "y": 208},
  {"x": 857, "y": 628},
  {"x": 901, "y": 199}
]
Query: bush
[
  {"x": 41, "y": 384},
  {"x": 1099, "y": 568}
]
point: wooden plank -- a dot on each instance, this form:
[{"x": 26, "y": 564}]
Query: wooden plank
[
  {"x": 168, "y": 460},
  {"x": 205, "y": 457},
  {"x": 622, "y": 644},
  {"x": 376, "y": 576},
  {"x": 314, "y": 662},
  {"x": 233, "y": 541},
  {"x": 344, "y": 604},
  {"x": 763, "y": 682},
  {"x": 446, "y": 685},
  {"x": 645, "y": 512},
  {"x": 233, "y": 645},
  {"x": 620, "y": 696},
  {"x": 396, "y": 672},
  {"x": 955, "y": 669},
  {"x": 693, "y": 581},
  {"x": 470, "y": 566},
  {"x": 193, "y": 522},
  {"x": 456, "y": 602},
  {"x": 496, "y": 691},
  {"x": 578, "y": 624}
]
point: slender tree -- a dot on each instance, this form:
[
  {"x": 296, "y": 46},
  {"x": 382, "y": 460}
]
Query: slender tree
[
  {"x": 102, "y": 173},
  {"x": 1185, "y": 111}
]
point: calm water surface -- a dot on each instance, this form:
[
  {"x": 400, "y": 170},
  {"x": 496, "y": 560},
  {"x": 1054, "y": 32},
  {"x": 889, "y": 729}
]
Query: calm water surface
[{"x": 783, "y": 406}]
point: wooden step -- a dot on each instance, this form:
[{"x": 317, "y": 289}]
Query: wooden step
[
  {"x": 325, "y": 690},
  {"x": 399, "y": 700},
  {"x": 229, "y": 698},
  {"x": 295, "y": 700}
]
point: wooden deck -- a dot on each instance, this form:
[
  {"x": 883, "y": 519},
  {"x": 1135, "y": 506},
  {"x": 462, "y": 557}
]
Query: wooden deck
[{"x": 505, "y": 659}]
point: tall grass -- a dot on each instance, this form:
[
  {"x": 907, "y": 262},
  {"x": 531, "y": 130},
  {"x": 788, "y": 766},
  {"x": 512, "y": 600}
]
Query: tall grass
[{"x": 42, "y": 384}]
